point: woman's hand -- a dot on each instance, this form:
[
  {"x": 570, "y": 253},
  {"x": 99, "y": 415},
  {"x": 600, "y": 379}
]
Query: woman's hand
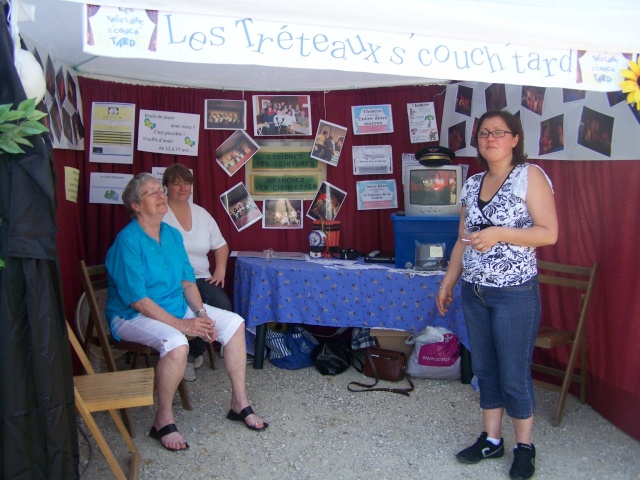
[
  {"x": 216, "y": 279},
  {"x": 483, "y": 240},
  {"x": 202, "y": 327},
  {"x": 444, "y": 299}
]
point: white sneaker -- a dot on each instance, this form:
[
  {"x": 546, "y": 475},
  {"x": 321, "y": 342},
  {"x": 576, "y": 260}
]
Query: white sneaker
[
  {"x": 199, "y": 361},
  {"x": 190, "y": 372}
]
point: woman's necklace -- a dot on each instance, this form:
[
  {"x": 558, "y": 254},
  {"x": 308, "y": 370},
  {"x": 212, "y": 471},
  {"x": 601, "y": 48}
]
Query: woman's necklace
[{"x": 498, "y": 177}]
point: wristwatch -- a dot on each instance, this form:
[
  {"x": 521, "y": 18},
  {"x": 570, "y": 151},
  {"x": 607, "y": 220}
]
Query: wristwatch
[{"x": 202, "y": 310}]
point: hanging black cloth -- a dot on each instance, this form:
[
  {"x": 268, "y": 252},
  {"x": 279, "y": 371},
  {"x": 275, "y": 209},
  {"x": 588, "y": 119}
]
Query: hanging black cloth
[{"x": 38, "y": 432}]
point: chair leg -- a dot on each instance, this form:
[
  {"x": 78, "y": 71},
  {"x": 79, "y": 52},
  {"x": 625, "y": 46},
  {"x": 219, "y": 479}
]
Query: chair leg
[
  {"x": 583, "y": 370},
  {"x": 135, "y": 454},
  {"x": 566, "y": 382},
  {"x": 134, "y": 360},
  {"x": 100, "y": 440},
  {"x": 212, "y": 361},
  {"x": 184, "y": 395},
  {"x": 126, "y": 419}
]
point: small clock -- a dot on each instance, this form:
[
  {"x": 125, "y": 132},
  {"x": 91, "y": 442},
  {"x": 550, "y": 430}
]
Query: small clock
[
  {"x": 317, "y": 238},
  {"x": 317, "y": 243}
]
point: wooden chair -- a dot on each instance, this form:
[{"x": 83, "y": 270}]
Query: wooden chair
[
  {"x": 94, "y": 282},
  {"x": 566, "y": 277},
  {"x": 98, "y": 392}
]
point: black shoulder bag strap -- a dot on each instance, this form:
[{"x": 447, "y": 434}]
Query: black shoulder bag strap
[{"x": 369, "y": 388}]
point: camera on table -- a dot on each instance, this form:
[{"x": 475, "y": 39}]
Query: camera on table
[{"x": 349, "y": 254}]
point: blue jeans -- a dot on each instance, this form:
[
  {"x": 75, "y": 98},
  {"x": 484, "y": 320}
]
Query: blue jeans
[{"x": 502, "y": 324}]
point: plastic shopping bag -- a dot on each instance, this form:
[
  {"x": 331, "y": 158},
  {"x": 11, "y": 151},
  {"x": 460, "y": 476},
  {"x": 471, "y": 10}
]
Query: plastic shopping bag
[{"x": 436, "y": 354}]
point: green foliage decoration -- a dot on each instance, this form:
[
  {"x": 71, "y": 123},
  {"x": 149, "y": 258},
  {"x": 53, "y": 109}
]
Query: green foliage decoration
[{"x": 16, "y": 125}]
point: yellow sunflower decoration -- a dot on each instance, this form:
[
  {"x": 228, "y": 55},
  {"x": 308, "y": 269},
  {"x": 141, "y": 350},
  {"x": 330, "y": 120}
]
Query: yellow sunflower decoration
[{"x": 631, "y": 86}]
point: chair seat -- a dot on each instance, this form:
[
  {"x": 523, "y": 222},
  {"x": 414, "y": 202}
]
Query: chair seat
[
  {"x": 116, "y": 390},
  {"x": 550, "y": 337}
]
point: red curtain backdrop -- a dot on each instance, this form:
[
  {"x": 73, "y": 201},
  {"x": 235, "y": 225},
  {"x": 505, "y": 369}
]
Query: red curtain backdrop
[{"x": 596, "y": 203}]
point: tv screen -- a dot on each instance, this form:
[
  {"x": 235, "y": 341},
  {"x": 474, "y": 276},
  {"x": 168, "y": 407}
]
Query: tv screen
[
  {"x": 432, "y": 190},
  {"x": 433, "y": 187}
]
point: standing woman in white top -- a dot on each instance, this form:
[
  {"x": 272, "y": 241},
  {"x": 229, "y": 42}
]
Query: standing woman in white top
[{"x": 200, "y": 234}]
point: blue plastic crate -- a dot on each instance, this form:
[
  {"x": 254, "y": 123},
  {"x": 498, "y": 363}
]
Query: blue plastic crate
[{"x": 408, "y": 230}]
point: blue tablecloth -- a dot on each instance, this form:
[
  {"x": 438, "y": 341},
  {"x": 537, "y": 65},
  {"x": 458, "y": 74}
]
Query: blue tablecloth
[{"x": 292, "y": 291}]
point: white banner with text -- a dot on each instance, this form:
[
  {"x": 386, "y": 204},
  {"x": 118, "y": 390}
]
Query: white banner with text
[{"x": 182, "y": 37}]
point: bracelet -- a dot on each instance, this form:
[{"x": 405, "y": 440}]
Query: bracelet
[{"x": 202, "y": 310}]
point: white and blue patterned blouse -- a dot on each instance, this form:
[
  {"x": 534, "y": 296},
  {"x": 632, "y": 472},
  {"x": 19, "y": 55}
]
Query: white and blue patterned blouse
[{"x": 504, "y": 264}]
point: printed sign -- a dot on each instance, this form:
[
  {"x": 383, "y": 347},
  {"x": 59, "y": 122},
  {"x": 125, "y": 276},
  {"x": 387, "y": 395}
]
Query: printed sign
[
  {"x": 377, "y": 194},
  {"x": 370, "y": 160},
  {"x": 112, "y": 132},
  {"x": 168, "y": 132},
  {"x": 284, "y": 170},
  {"x": 370, "y": 119},
  {"x": 107, "y": 187},
  {"x": 422, "y": 122}
]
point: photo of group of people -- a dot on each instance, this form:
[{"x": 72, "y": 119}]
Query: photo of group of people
[
  {"x": 240, "y": 207},
  {"x": 282, "y": 213},
  {"x": 328, "y": 143},
  {"x": 235, "y": 151},
  {"x": 533, "y": 99},
  {"x": 225, "y": 114},
  {"x": 282, "y": 115}
]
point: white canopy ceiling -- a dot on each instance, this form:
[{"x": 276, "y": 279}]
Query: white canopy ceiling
[{"x": 591, "y": 25}]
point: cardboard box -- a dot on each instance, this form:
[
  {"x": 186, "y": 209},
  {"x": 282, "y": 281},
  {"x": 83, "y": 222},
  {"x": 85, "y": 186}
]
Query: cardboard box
[{"x": 393, "y": 340}]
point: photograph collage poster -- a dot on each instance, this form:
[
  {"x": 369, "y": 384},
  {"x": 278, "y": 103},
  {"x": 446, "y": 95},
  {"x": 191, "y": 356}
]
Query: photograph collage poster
[{"x": 559, "y": 124}]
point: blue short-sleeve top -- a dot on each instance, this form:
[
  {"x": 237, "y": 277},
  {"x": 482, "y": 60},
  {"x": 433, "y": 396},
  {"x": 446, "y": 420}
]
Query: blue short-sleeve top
[{"x": 138, "y": 266}]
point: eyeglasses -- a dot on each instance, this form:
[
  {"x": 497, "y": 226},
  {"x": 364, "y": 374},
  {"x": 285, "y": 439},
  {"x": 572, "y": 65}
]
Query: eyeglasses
[
  {"x": 154, "y": 193},
  {"x": 495, "y": 133}
]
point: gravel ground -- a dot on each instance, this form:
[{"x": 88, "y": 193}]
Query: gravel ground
[{"x": 320, "y": 430}]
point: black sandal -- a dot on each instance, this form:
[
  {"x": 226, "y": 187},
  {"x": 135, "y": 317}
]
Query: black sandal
[
  {"x": 164, "y": 431},
  {"x": 244, "y": 413}
]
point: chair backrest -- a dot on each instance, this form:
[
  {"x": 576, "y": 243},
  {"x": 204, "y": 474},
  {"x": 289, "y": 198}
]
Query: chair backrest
[
  {"x": 571, "y": 276},
  {"x": 78, "y": 348},
  {"x": 94, "y": 278}
]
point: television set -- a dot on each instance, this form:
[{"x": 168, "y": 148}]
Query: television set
[{"x": 432, "y": 191}]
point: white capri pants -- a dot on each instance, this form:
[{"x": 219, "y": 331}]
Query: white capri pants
[{"x": 164, "y": 338}]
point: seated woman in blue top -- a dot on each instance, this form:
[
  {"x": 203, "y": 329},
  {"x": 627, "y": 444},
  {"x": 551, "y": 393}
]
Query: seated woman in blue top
[{"x": 153, "y": 299}]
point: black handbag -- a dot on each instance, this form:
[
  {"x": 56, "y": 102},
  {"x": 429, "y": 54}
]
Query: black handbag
[
  {"x": 332, "y": 358},
  {"x": 383, "y": 364}
]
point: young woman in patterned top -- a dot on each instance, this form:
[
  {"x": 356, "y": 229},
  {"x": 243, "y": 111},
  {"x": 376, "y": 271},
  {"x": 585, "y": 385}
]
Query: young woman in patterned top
[{"x": 512, "y": 202}]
